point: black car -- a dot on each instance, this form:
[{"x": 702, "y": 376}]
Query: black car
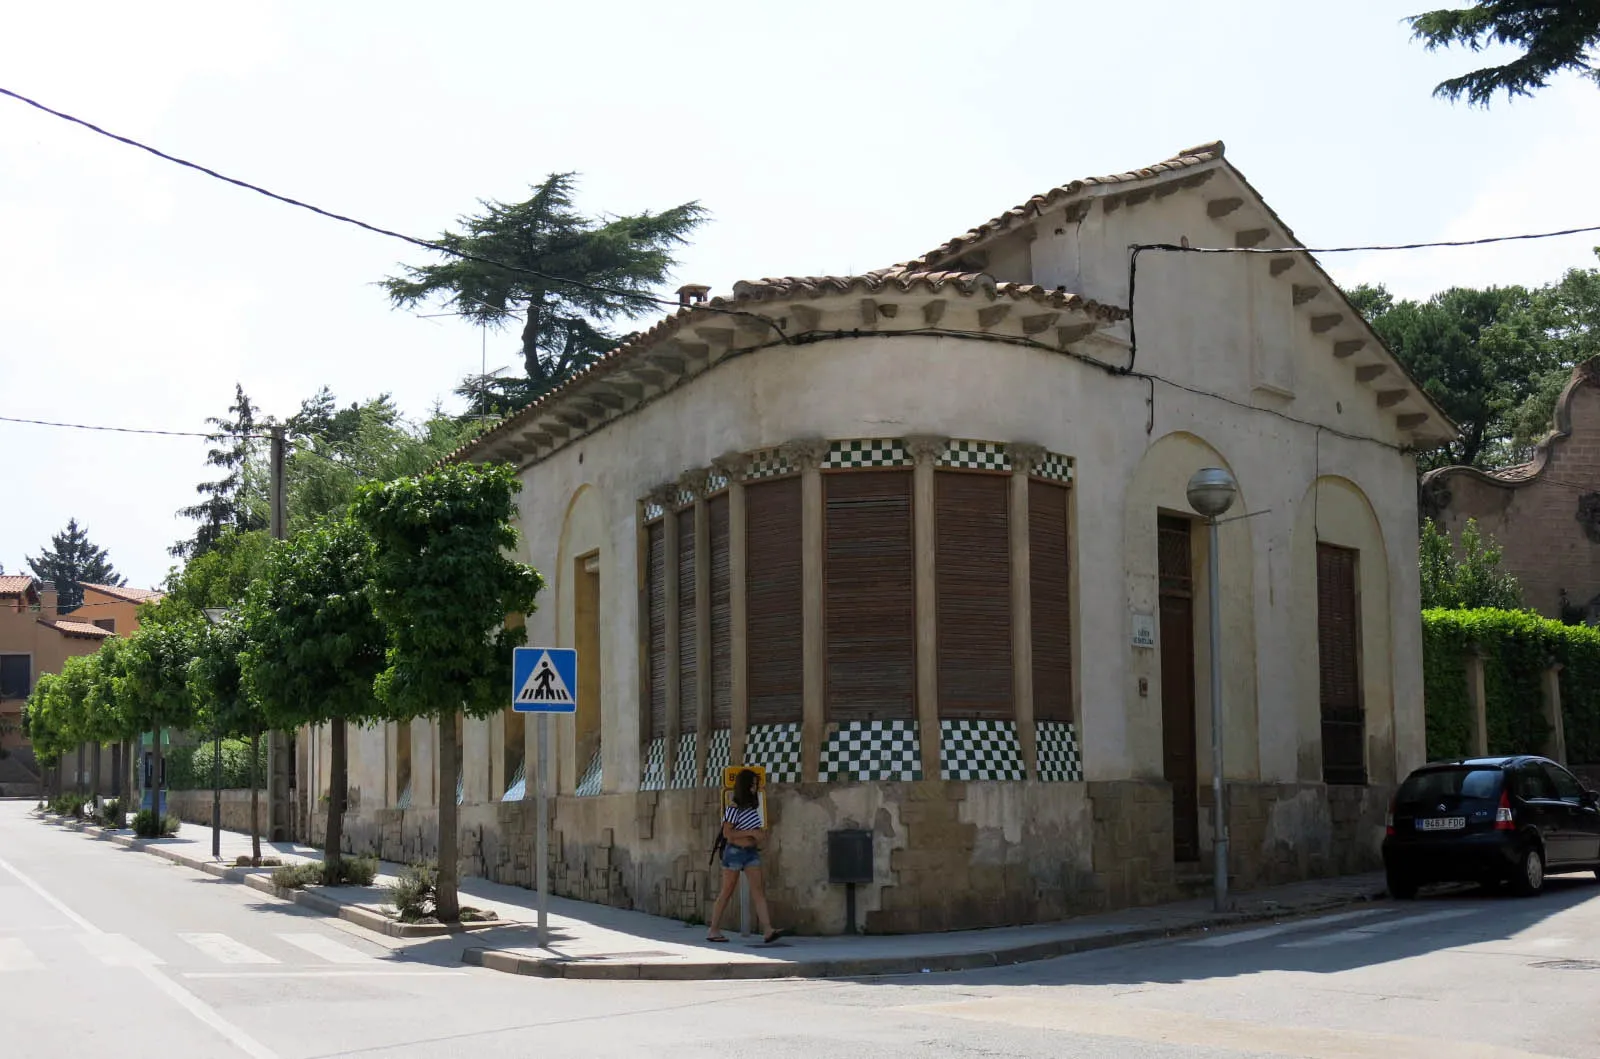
[{"x": 1490, "y": 820}]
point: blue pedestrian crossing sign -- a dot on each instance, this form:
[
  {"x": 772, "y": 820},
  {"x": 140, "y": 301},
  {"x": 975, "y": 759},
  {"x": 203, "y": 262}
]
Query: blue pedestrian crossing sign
[{"x": 544, "y": 680}]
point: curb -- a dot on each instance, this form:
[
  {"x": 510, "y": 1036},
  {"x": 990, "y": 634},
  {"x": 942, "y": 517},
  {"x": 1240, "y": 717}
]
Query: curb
[
  {"x": 511, "y": 963},
  {"x": 261, "y": 879}
]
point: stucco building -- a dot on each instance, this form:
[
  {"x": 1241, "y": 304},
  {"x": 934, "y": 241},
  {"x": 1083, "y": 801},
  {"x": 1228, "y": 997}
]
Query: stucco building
[
  {"x": 917, "y": 541},
  {"x": 1544, "y": 514}
]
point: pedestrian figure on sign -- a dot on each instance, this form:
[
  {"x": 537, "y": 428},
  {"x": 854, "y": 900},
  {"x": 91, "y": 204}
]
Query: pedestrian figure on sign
[
  {"x": 543, "y": 690},
  {"x": 743, "y": 831}
]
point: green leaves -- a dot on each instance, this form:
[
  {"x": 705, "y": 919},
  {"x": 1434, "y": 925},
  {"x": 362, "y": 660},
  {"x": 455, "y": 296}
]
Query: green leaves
[
  {"x": 444, "y": 587},
  {"x": 1553, "y": 36},
  {"x": 312, "y": 644},
  {"x": 1474, "y": 579}
]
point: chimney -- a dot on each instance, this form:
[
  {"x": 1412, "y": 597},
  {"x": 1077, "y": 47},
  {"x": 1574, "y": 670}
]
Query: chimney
[
  {"x": 48, "y": 600},
  {"x": 692, "y": 294}
]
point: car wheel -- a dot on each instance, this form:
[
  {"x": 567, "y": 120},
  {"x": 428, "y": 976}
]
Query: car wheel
[
  {"x": 1528, "y": 878},
  {"x": 1402, "y": 887}
]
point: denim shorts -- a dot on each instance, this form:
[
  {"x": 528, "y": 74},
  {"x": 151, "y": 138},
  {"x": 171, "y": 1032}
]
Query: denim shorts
[{"x": 738, "y": 858}]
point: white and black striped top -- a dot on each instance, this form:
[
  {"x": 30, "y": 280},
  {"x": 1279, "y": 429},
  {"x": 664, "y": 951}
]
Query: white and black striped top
[{"x": 743, "y": 819}]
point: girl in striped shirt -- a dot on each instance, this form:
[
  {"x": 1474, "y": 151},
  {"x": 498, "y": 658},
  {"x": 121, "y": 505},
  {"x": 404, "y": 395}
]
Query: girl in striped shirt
[{"x": 743, "y": 831}]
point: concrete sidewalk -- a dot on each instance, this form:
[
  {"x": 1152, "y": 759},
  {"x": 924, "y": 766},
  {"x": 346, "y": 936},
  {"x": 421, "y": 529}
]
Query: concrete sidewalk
[{"x": 591, "y": 941}]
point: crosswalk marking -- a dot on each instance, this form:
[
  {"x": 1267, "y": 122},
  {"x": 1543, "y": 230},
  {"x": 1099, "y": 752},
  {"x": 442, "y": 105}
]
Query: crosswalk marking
[
  {"x": 118, "y": 950},
  {"x": 224, "y": 949},
  {"x": 1239, "y": 938},
  {"x": 326, "y": 948},
  {"x": 1363, "y": 933},
  {"x": 16, "y": 956}
]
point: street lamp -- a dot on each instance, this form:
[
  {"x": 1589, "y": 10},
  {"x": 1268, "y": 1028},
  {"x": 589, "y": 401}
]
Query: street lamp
[
  {"x": 215, "y": 615},
  {"x": 1211, "y": 492}
]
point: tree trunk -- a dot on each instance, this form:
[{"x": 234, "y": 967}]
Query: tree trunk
[
  {"x": 338, "y": 784},
  {"x": 94, "y": 777},
  {"x": 448, "y": 904},
  {"x": 125, "y": 796},
  {"x": 156, "y": 763},
  {"x": 255, "y": 799}
]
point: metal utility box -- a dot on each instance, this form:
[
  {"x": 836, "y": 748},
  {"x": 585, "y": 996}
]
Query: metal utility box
[{"x": 850, "y": 856}]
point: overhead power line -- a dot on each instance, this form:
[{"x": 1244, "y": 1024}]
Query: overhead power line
[
  {"x": 426, "y": 244},
  {"x": 130, "y": 430}
]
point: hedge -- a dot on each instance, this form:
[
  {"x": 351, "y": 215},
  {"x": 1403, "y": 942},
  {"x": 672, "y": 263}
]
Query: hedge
[
  {"x": 190, "y": 768},
  {"x": 1516, "y": 646}
]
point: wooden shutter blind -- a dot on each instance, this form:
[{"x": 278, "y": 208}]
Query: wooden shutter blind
[
  {"x": 656, "y": 593},
  {"x": 869, "y": 602},
  {"x": 688, "y": 644},
  {"x": 772, "y": 600},
  {"x": 1049, "y": 567},
  {"x": 972, "y": 561},
  {"x": 1339, "y": 664},
  {"x": 721, "y": 615}
]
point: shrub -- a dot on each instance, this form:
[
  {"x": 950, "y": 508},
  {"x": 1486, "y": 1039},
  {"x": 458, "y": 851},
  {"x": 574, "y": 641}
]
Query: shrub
[
  {"x": 69, "y": 804},
  {"x": 413, "y": 895},
  {"x": 111, "y": 814},
  {"x": 349, "y": 871},
  {"x": 144, "y": 824},
  {"x": 191, "y": 768}
]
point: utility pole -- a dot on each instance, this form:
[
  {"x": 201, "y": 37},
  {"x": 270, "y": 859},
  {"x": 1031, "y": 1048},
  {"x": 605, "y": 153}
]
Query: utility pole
[{"x": 279, "y": 744}]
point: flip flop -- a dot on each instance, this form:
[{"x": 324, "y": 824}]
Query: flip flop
[
  {"x": 721, "y": 939},
  {"x": 773, "y": 935}
]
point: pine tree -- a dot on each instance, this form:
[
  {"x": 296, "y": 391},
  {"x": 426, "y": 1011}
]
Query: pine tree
[
  {"x": 563, "y": 324},
  {"x": 230, "y": 501},
  {"x": 72, "y": 560}
]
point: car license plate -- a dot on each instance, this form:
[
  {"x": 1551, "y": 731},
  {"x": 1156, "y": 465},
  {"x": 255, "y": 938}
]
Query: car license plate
[{"x": 1441, "y": 823}]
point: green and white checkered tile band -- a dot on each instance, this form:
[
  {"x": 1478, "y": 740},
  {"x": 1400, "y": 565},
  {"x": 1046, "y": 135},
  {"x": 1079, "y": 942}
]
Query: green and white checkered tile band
[
  {"x": 975, "y": 456},
  {"x": 653, "y": 777},
  {"x": 517, "y": 789},
  {"x": 873, "y": 750},
  {"x": 1054, "y": 466},
  {"x": 685, "y": 498},
  {"x": 866, "y": 452},
  {"x": 716, "y": 482},
  {"x": 775, "y": 747},
  {"x": 1059, "y": 758},
  {"x": 461, "y": 787},
  {"x": 719, "y": 754},
  {"x": 653, "y": 511},
  {"x": 404, "y": 800},
  {"x": 589, "y": 784},
  {"x": 683, "y": 769},
  {"x": 980, "y": 750},
  {"x": 768, "y": 463}
]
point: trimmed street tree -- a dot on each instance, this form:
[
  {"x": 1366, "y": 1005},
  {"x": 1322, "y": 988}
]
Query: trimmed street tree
[
  {"x": 444, "y": 587},
  {"x": 313, "y": 647},
  {"x": 154, "y": 690},
  {"x": 106, "y": 701},
  {"x": 224, "y": 706}
]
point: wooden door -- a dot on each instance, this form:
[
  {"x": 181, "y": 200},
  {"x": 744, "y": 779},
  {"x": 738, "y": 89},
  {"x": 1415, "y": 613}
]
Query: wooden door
[{"x": 1177, "y": 685}]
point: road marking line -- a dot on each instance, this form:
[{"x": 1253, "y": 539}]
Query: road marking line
[
  {"x": 224, "y": 949},
  {"x": 181, "y": 996},
  {"x": 324, "y": 974},
  {"x": 16, "y": 956},
  {"x": 118, "y": 950},
  {"x": 1243, "y": 936},
  {"x": 327, "y": 948},
  {"x": 1373, "y": 929}
]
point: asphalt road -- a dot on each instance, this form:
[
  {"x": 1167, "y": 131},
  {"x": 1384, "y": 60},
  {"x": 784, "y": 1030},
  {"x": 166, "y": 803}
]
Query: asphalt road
[{"x": 106, "y": 951}]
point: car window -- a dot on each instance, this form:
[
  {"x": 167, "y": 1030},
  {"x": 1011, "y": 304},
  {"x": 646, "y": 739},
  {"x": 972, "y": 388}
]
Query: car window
[
  {"x": 1568, "y": 789},
  {"x": 1456, "y": 782},
  {"x": 1532, "y": 782}
]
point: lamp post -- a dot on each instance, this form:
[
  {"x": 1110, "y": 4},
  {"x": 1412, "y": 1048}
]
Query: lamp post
[
  {"x": 216, "y": 615},
  {"x": 1211, "y": 492}
]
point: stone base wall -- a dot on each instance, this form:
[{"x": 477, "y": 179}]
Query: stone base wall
[
  {"x": 194, "y": 807},
  {"x": 947, "y": 855}
]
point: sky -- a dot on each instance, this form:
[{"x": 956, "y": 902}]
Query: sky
[{"x": 823, "y": 138}]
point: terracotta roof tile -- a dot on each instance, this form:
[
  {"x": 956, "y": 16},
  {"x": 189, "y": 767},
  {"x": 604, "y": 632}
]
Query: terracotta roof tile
[
  {"x": 14, "y": 584},
  {"x": 76, "y": 628},
  {"x": 1185, "y": 159},
  {"x": 129, "y": 595}
]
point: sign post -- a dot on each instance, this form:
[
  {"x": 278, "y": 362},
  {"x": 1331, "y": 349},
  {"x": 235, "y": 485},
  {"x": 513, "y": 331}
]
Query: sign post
[{"x": 544, "y": 680}]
